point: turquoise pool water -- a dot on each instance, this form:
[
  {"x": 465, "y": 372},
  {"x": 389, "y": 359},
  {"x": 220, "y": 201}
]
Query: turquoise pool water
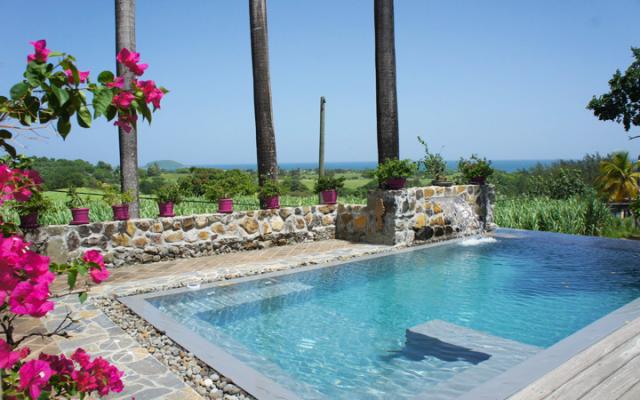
[{"x": 339, "y": 332}]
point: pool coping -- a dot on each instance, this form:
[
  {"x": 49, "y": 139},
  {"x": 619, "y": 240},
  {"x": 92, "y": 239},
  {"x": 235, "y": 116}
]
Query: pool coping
[{"x": 258, "y": 385}]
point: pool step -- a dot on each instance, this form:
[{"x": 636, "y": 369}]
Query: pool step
[{"x": 490, "y": 355}]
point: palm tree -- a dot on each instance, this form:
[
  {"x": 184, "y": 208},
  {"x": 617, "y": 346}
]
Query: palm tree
[
  {"x": 265, "y": 132},
  {"x": 126, "y": 37},
  {"x": 619, "y": 177},
  {"x": 386, "y": 94}
]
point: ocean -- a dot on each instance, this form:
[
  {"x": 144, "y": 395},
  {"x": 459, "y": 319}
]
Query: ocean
[{"x": 503, "y": 165}]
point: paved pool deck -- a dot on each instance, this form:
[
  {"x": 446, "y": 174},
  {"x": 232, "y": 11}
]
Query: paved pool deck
[{"x": 605, "y": 370}]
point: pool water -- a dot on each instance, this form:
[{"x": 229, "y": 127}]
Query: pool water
[{"x": 339, "y": 332}]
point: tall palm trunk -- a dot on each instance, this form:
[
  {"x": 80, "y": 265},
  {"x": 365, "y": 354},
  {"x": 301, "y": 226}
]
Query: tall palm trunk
[
  {"x": 386, "y": 95},
  {"x": 126, "y": 37},
  {"x": 265, "y": 132}
]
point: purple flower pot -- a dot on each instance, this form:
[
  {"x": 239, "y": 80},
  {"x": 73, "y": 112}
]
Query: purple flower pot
[
  {"x": 225, "y": 206},
  {"x": 395, "y": 183},
  {"x": 271, "y": 203},
  {"x": 479, "y": 180},
  {"x": 121, "y": 212},
  {"x": 166, "y": 209},
  {"x": 329, "y": 196},
  {"x": 29, "y": 221},
  {"x": 80, "y": 216}
]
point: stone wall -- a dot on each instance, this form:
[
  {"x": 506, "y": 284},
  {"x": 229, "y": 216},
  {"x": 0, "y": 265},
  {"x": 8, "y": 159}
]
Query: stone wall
[
  {"x": 418, "y": 215},
  {"x": 158, "y": 239}
]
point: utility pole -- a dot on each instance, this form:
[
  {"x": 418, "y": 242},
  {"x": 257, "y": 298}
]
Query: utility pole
[{"x": 321, "y": 155}]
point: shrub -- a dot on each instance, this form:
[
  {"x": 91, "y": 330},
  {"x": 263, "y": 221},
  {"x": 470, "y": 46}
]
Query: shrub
[
  {"x": 115, "y": 197},
  {"x": 395, "y": 169},
  {"x": 475, "y": 167},
  {"x": 170, "y": 193},
  {"x": 329, "y": 182},
  {"x": 270, "y": 188},
  {"x": 433, "y": 163},
  {"x": 75, "y": 201}
]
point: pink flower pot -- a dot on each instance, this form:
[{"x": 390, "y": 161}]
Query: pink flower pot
[
  {"x": 80, "y": 216},
  {"x": 329, "y": 196},
  {"x": 271, "y": 203},
  {"x": 396, "y": 183},
  {"x": 121, "y": 212},
  {"x": 29, "y": 221},
  {"x": 166, "y": 209},
  {"x": 479, "y": 180},
  {"x": 225, "y": 206}
]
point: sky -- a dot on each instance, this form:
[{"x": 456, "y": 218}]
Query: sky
[{"x": 504, "y": 79}]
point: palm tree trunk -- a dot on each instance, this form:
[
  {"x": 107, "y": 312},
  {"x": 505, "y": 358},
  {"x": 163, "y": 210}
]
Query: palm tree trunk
[
  {"x": 386, "y": 94},
  {"x": 265, "y": 132},
  {"x": 126, "y": 37}
]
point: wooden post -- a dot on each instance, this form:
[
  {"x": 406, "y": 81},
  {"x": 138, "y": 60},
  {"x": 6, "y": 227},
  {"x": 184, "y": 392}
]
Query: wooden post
[{"x": 321, "y": 155}]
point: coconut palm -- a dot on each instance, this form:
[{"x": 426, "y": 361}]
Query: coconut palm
[
  {"x": 265, "y": 132},
  {"x": 619, "y": 177},
  {"x": 126, "y": 38},
  {"x": 386, "y": 94}
]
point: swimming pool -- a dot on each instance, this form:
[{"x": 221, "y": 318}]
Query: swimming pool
[{"x": 341, "y": 331}]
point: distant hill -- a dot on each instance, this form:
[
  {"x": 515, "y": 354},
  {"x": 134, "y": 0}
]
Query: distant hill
[{"x": 168, "y": 165}]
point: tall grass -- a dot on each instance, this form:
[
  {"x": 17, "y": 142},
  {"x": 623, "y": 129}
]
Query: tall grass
[
  {"x": 581, "y": 216},
  {"x": 59, "y": 214}
]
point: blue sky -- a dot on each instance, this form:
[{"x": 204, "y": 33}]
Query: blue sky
[{"x": 505, "y": 79}]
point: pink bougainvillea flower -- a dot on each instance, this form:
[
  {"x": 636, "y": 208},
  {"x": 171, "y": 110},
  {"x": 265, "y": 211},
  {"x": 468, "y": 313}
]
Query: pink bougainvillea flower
[
  {"x": 61, "y": 365},
  {"x": 117, "y": 83},
  {"x": 85, "y": 381},
  {"x": 123, "y": 100},
  {"x": 32, "y": 175},
  {"x": 34, "y": 376},
  {"x": 83, "y": 75},
  {"x": 130, "y": 60},
  {"x": 152, "y": 94},
  {"x": 126, "y": 121},
  {"x": 93, "y": 256},
  {"x": 8, "y": 358},
  {"x": 108, "y": 377},
  {"x": 41, "y": 52},
  {"x": 99, "y": 275},
  {"x": 28, "y": 299}
]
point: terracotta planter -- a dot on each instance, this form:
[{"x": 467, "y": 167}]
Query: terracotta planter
[
  {"x": 225, "y": 206},
  {"x": 166, "y": 209},
  {"x": 329, "y": 196},
  {"x": 29, "y": 221},
  {"x": 80, "y": 216},
  {"x": 395, "y": 183},
  {"x": 121, "y": 212},
  {"x": 271, "y": 203},
  {"x": 479, "y": 180}
]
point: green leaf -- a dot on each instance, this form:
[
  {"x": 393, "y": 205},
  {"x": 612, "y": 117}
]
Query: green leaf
[
  {"x": 83, "y": 297},
  {"x": 72, "y": 276},
  {"x": 55, "y": 54},
  {"x": 45, "y": 116},
  {"x": 84, "y": 117},
  {"x": 144, "y": 110},
  {"x": 19, "y": 90},
  {"x": 111, "y": 112},
  {"x": 8, "y": 148},
  {"x": 101, "y": 100},
  {"x": 5, "y": 134},
  {"x": 106, "y": 77},
  {"x": 64, "y": 126},
  {"x": 60, "y": 94}
]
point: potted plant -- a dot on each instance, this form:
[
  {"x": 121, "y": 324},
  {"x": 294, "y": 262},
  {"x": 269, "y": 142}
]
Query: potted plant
[
  {"x": 222, "y": 191},
  {"x": 168, "y": 196},
  {"x": 269, "y": 194},
  {"x": 78, "y": 207},
  {"x": 29, "y": 210},
  {"x": 475, "y": 170},
  {"x": 119, "y": 202},
  {"x": 328, "y": 187},
  {"x": 434, "y": 165},
  {"x": 392, "y": 174}
]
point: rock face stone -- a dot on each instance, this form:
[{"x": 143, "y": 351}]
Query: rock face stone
[
  {"x": 402, "y": 217},
  {"x": 156, "y": 239}
]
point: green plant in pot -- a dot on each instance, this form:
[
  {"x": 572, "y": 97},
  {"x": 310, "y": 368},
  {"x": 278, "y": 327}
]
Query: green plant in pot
[
  {"x": 78, "y": 207},
  {"x": 118, "y": 200},
  {"x": 475, "y": 170},
  {"x": 222, "y": 190},
  {"x": 328, "y": 187},
  {"x": 269, "y": 194},
  {"x": 29, "y": 210},
  {"x": 167, "y": 197},
  {"x": 434, "y": 165},
  {"x": 392, "y": 174}
]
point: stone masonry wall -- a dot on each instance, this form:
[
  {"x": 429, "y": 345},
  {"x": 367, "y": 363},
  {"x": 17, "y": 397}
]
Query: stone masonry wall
[
  {"x": 418, "y": 215},
  {"x": 158, "y": 239}
]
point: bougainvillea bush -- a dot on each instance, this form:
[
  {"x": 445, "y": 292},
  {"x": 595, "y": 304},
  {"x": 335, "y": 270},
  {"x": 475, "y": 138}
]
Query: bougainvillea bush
[{"x": 53, "y": 91}]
